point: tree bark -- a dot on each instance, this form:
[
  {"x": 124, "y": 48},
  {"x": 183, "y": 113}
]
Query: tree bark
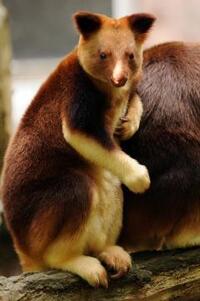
[
  {"x": 5, "y": 90},
  {"x": 156, "y": 276}
]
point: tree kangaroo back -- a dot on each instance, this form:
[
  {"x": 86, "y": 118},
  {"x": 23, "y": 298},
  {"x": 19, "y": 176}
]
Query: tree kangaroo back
[{"x": 168, "y": 143}]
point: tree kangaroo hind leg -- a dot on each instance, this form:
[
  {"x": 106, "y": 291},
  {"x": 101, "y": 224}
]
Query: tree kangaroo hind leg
[{"x": 69, "y": 249}]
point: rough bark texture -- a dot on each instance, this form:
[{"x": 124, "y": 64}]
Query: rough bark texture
[
  {"x": 156, "y": 276},
  {"x": 5, "y": 91}
]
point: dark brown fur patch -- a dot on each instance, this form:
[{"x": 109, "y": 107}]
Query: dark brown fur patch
[
  {"x": 168, "y": 143},
  {"x": 86, "y": 110},
  {"x": 87, "y": 23},
  {"x": 46, "y": 185},
  {"x": 141, "y": 25}
]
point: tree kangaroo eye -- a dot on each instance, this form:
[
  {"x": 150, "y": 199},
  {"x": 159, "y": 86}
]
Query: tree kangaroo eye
[
  {"x": 131, "y": 56},
  {"x": 103, "y": 55}
]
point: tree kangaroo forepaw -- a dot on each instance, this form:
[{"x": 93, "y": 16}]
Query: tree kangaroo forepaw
[
  {"x": 139, "y": 180},
  {"x": 127, "y": 128}
]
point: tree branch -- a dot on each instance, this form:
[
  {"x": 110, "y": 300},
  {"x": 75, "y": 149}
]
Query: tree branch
[
  {"x": 156, "y": 276},
  {"x": 5, "y": 83}
]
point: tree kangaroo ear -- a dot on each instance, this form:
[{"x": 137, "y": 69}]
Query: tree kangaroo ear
[
  {"x": 141, "y": 24},
  {"x": 87, "y": 23}
]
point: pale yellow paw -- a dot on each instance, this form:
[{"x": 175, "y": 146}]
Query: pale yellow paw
[
  {"x": 117, "y": 259},
  {"x": 95, "y": 274},
  {"x": 139, "y": 180},
  {"x": 127, "y": 128}
]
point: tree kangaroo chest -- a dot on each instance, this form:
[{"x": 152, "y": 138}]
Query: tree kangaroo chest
[{"x": 105, "y": 220}]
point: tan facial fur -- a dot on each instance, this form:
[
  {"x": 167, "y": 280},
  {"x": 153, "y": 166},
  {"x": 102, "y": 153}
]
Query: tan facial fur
[
  {"x": 123, "y": 52},
  {"x": 117, "y": 43}
]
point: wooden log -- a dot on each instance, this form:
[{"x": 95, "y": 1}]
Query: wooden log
[
  {"x": 5, "y": 76},
  {"x": 156, "y": 276}
]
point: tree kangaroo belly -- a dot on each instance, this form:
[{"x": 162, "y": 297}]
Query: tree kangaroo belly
[{"x": 105, "y": 220}]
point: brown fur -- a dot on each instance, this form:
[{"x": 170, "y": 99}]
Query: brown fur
[
  {"x": 61, "y": 170},
  {"x": 48, "y": 159},
  {"x": 168, "y": 143}
]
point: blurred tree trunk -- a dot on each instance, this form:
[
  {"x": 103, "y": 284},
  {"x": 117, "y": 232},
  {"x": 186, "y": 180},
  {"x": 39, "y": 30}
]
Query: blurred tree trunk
[{"x": 5, "y": 76}]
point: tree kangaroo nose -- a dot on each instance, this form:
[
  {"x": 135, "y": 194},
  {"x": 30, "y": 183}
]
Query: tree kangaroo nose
[
  {"x": 119, "y": 82},
  {"x": 119, "y": 76}
]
